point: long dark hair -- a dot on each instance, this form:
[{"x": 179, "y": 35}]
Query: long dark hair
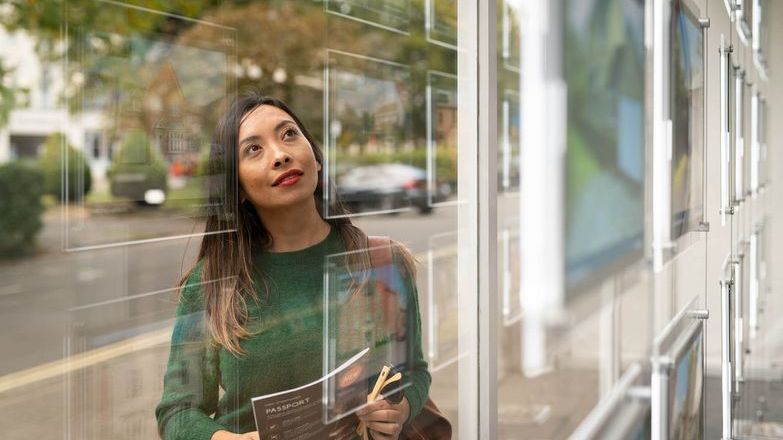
[{"x": 233, "y": 229}]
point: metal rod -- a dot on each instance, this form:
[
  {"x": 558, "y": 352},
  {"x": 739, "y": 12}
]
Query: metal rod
[
  {"x": 659, "y": 384},
  {"x": 704, "y": 226},
  {"x": 487, "y": 220},
  {"x": 737, "y": 294},
  {"x": 725, "y": 361},
  {"x": 703, "y": 314},
  {"x": 724, "y": 130},
  {"x": 605, "y": 409}
]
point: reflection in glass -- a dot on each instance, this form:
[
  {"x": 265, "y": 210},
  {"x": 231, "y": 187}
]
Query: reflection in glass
[
  {"x": 368, "y": 118},
  {"x": 739, "y": 134},
  {"x": 760, "y": 30},
  {"x": 740, "y": 298},
  {"x": 685, "y": 392},
  {"x": 442, "y": 326},
  {"x": 510, "y": 41},
  {"x": 508, "y": 113},
  {"x": 604, "y": 69},
  {"x": 745, "y": 20},
  {"x": 727, "y": 128},
  {"x": 441, "y": 135},
  {"x": 754, "y": 143},
  {"x": 364, "y": 309},
  {"x": 731, "y": 6},
  {"x": 388, "y": 14},
  {"x": 118, "y": 352},
  {"x": 620, "y": 416},
  {"x": 732, "y": 284},
  {"x": 509, "y": 244},
  {"x": 441, "y": 22},
  {"x": 763, "y": 134},
  {"x": 642, "y": 430},
  {"x": 687, "y": 114},
  {"x": 509, "y": 154},
  {"x": 137, "y": 87},
  {"x": 747, "y": 130},
  {"x": 156, "y": 94}
]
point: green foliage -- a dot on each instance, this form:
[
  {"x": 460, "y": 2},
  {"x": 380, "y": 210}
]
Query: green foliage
[
  {"x": 7, "y": 95},
  {"x": 21, "y": 188},
  {"x": 52, "y": 162},
  {"x": 137, "y": 167},
  {"x": 205, "y": 167},
  {"x": 46, "y": 17}
]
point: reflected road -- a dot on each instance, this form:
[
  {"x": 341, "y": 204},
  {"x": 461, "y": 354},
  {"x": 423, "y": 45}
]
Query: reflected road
[{"x": 37, "y": 294}]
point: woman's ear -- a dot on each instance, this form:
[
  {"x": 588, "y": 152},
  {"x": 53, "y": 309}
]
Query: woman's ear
[
  {"x": 319, "y": 166},
  {"x": 242, "y": 196}
]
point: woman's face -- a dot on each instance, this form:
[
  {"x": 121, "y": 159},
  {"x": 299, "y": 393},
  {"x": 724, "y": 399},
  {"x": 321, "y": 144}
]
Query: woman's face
[{"x": 277, "y": 167}]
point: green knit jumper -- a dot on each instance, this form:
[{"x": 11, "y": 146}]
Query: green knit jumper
[{"x": 285, "y": 350}]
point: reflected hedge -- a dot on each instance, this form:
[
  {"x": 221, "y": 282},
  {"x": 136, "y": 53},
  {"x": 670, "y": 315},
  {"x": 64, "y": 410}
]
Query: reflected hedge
[
  {"x": 137, "y": 167},
  {"x": 77, "y": 170},
  {"x": 21, "y": 188}
]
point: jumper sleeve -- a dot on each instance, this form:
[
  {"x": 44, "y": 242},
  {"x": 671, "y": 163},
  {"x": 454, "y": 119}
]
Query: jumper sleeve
[
  {"x": 418, "y": 391},
  {"x": 190, "y": 385}
]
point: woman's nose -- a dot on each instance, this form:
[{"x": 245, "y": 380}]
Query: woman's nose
[{"x": 282, "y": 159}]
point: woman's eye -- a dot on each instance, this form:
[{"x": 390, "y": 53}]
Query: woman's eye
[
  {"x": 290, "y": 132},
  {"x": 253, "y": 148}
]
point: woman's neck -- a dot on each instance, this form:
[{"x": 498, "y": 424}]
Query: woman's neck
[{"x": 295, "y": 228}]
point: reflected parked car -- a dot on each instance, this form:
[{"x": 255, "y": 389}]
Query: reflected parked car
[
  {"x": 143, "y": 188},
  {"x": 387, "y": 187}
]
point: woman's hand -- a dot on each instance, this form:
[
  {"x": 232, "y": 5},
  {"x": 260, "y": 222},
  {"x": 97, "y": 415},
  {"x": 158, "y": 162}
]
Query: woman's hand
[
  {"x": 384, "y": 420},
  {"x": 225, "y": 435}
]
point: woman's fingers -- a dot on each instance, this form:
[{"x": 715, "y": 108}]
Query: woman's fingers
[
  {"x": 384, "y": 415},
  {"x": 384, "y": 429},
  {"x": 375, "y": 435},
  {"x": 384, "y": 420},
  {"x": 374, "y": 406}
]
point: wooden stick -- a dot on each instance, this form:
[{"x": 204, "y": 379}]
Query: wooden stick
[{"x": 379, "y": 384}]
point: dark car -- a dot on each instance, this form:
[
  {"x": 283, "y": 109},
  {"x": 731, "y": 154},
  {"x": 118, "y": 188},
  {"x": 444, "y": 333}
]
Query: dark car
[
  {"x": 388, "y": 187},
  {"x": 145, "y": 186}
]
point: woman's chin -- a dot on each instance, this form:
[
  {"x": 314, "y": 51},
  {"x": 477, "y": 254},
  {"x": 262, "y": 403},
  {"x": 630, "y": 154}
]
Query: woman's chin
[{"x": 299, "y": 200}]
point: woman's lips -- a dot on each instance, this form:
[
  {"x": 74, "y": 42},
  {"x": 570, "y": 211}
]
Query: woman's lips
[{"x": 290, "y": 180}]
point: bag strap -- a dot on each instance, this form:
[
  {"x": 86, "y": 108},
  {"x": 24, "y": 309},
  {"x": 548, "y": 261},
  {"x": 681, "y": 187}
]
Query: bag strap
[
  {"x": 380, "y": 250},
  {"x": 381, "y": 259},
  {"x": 431, "y": 423}
]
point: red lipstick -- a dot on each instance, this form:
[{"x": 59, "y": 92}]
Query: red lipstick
[{"x": 288, "y": 178}]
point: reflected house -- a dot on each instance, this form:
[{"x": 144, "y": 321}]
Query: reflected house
[
  {"x": 135, "y": 101},
  {"x": 446, "y": 128},
  {"x": 373, "y": 320},
  {"x": 170, "y": 135},
  {"x": 166, "y": 105},
  {"x": 388, "y": 119},
  {"x": 39, "y": 114}
]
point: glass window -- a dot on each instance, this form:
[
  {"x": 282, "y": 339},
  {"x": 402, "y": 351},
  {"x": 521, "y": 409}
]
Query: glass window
[
  {"x": 228, "y": 216},
  {"x": 143, "y": 164}
]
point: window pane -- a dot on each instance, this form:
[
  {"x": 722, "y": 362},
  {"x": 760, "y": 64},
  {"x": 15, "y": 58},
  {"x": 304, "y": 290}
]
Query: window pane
[{"x": 118, "y": 117}]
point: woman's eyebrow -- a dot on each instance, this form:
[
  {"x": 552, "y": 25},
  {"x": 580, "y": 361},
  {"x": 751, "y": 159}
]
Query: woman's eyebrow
[
  {"x": 283, "y": 123},
  {"x": 252, "y": 138},
  {"x": 256, "y": 138}
]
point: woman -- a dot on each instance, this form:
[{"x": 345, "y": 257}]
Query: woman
[{"x": 250, "y": 317}]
